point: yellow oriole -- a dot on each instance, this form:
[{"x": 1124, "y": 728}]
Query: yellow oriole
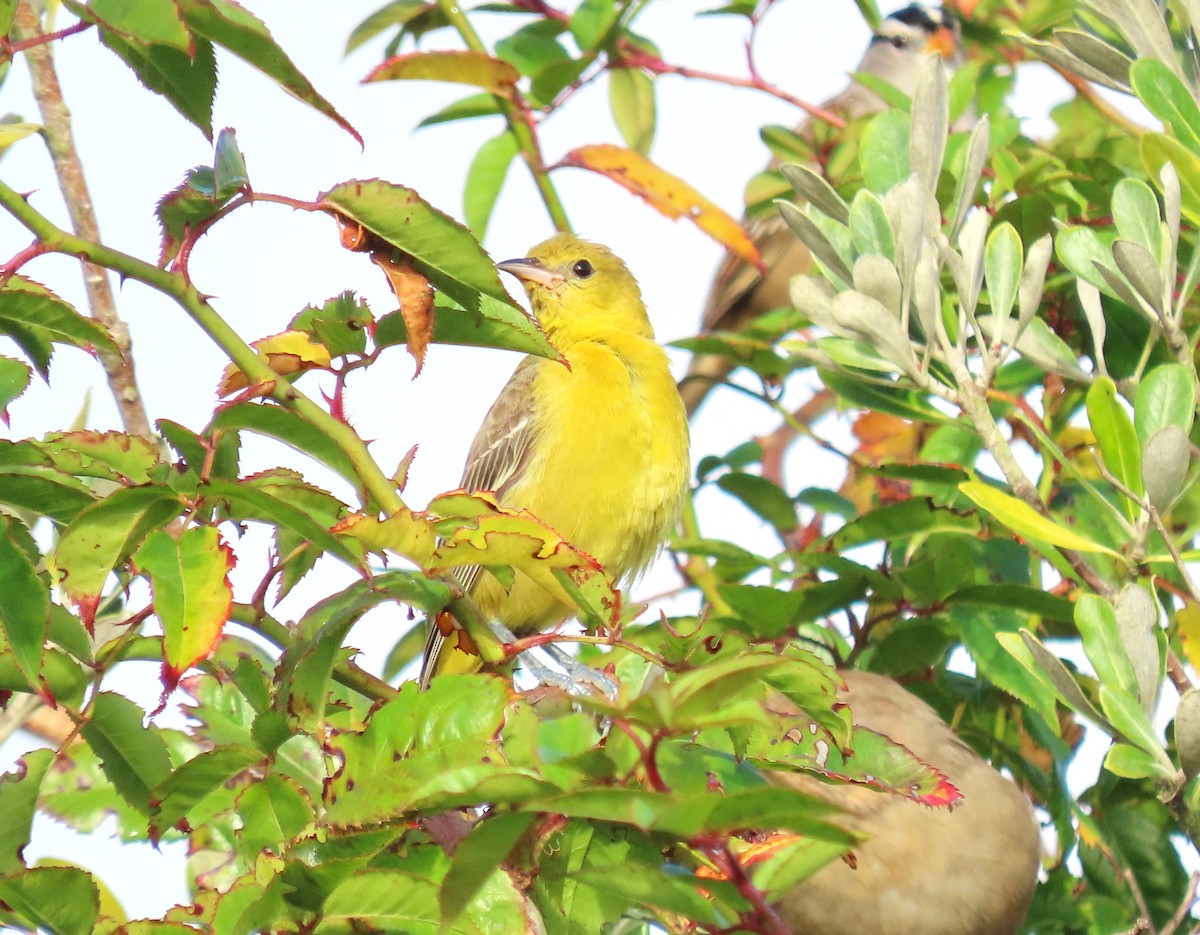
[{"x": 596, "y": 449}]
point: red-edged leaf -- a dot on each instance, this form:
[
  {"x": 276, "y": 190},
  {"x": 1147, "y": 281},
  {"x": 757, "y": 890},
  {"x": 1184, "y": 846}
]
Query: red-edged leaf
[{"x": 192, "y": 594}]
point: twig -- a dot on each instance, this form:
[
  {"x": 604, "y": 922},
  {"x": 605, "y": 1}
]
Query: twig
[
  {"x": 56, "y": 129},
  {"x": 1185, "y": 906}
]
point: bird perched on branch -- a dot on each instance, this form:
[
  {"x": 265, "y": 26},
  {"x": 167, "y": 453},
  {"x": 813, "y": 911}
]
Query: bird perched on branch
[
  {"x": 920, "y": 871},
  {"x": 597, "y": 449},
  {"x": 739, "y": 292}
]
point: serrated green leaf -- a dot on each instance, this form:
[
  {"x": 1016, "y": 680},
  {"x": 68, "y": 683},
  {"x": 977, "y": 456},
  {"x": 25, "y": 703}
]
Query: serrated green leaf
[
  {"x": 173, "y": 798},
  {"x": 24, "y": 606},
  {"x": 134, "y": 757},
  {"x": 19, "y": 791},
  {"x": 63, "y": 900}
]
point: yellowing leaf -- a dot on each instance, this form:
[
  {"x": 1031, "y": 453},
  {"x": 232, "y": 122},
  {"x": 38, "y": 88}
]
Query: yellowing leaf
[
  {"x": 286, "y": 352},
  {"x": 189, "y": 578},
  {"x": 1027, "y": 522},
  {"x": 463, "y": 529},
  {"x": 461, "y": 67},
  {"x": 668, "y": 193},
  {"x": 1187, "y": 621}
]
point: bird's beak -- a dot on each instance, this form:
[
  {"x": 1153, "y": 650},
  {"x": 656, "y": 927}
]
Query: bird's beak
[
  {"x": 528, "y": 269},
  {"x": 944, "y": 42}
]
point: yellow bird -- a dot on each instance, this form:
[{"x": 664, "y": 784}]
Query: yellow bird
[{"x": 597, "y": 449}]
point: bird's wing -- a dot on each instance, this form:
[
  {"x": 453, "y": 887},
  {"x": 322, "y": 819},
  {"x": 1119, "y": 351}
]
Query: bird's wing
[
  {"x": 735, "y": 278},
  {"x": 502, "y": 446}
]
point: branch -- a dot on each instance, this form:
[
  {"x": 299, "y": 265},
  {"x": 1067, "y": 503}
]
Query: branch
[
  {"x": 172, "y": 284},
  {"x": 56, "y": 130},
  {"x": 519, "y": 119}
]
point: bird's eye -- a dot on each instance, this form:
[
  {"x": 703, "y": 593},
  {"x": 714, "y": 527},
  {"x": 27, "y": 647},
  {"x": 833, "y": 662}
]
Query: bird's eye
[
  {"x": 899, "y": 42},
  {"x": 582, "y": 269}
]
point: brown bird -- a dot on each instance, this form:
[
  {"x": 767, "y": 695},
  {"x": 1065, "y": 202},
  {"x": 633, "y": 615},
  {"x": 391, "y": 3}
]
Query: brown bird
[
  {"x": 740, "y": 293},
  {"x": 921, "y": 871}
]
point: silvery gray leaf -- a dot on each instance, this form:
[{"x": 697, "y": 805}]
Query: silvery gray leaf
[
  {"x": 1122, "y": 290},
  {"x": 807, "y": 231},
  {"x": 1137, "y": 623},
  {"x": 927, "y": 292},
  {"x": 1063, "y": 682},
  {"x": 977, "y": 152},
  {"x": 817, "y": 192},
  {"x": 1142, "y": 25},
  {"x": 1141, "y": 269},
  {"x": 1187, "y": 732},
  {"x": 1033, "y": 280},
  {"x": 860, "y": 316},
  {"x": 1192, "y": 8},
  {"x": 1107, "y": 59},
  {"x": 1093, "y": 311},
  {"x": 907, "y": 207},
  {"x": 1036, "y": 343},
  {"x": 1057, "y": 55},
  {"x": 877, "y": 277},
  {"x": 930, "y": 122},
  {"x": 969, "y": 277},
  {"x": 1165, "y": 462},
  {"x": 813, "y": 296},
  {"x": 1172, "y": 207}
]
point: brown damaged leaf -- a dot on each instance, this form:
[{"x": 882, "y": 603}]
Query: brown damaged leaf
[
  {"x": 668, "y": 193},
  {"x": 412, "y": 287},
  {"x": 287, "y": 352}
]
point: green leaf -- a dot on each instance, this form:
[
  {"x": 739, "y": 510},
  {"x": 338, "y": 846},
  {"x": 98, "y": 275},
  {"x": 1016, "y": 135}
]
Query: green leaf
[
  {"x": 1097, "y": 624},
  {"x": 19, "y": 791},
  {"x": 631, "y": 98},
  {"x": 289, "y": 427},
  {"x": 134, "y": 757},
  {"x": 395, "y": 13},
  {"x": 485, "y": 179},
  {"x": 63, "y": 900},
  {"x": 762, "y": 497},
  {"x": 884, "y": 154},
  {"x": 497, "y": 77},
  {"x": 1080, "y": 249},
  {"x": 441, "y": 248},
  {"x": 1168, "y": 98},
  {"x": 1165, "y": 396},
  {"x": 24, "y": 606},
  {"x": 115, "y": 456},
  {"x": 1024, "y": 520},
  {"x": 104, "y": 535},
  {"x": 14, "y": 380},
  {"x": 235, "y": 28},
  {"x": 189, "y": 578},
  {"x": 478, "y": 857},
  {"x": 1118, "y": 441},
  {"x": 188, "y": 82},
  {"x": 34, "y": 317},
  {"x": 274, "y": 812},
  {"x": 1002, "y": 261},
  {"x": 1136, "y": 214},
  {"x": 986, "y": 634},
  {"x": 493, "y": 324},
  {"x": 476, "y": 105},
  {"x": 870, "y": 229},
  {"x": 904, "y": 520},
  {"x": 229, "y": 167},
  {"x": 591, "y": 22},
  {"x": 174, "y": 798},
  {"x": 1127, "y": 716},
  {"x": 181, "y": 210},
  {"x": 149, "y": 22},
  {"x": 1130, "y": 762},
  {"x": 895, "y": 401},
  {"x": 1159, "y": 149},
  {"x": 382, "y": 900}
]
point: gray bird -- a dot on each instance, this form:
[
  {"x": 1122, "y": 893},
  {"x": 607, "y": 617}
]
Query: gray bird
[
  {"x": 740, "y": 292},
  {"x": 921, "y": 871}
]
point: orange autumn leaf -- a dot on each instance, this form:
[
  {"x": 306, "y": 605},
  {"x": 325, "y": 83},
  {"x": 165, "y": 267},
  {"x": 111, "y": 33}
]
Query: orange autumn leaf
[
  {"x": 415, "y": 295},
  {"x": 286, "y": 352},
  {"x": 668, "y": 193}
]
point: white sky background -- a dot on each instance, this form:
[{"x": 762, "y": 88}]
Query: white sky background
[{"x": 264, "y": 264}]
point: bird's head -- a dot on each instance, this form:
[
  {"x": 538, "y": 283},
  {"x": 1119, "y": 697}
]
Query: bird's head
[
  {"x": 578, "y": 288},
  {"x": 905, "y": 37}
]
